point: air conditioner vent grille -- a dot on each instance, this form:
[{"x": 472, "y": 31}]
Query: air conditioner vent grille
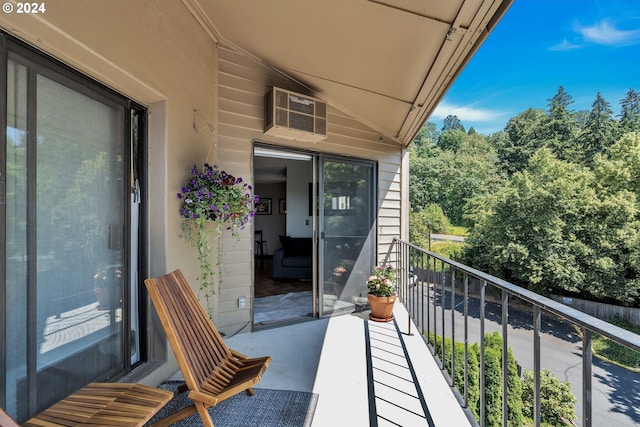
[
  {"x": 295, "y": 116},
  {"x": 303, "y": 105},
  {"x": 301, "y": 121}
]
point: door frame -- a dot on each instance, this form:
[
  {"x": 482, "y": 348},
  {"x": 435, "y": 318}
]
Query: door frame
[{"x": 317, "y": 188}]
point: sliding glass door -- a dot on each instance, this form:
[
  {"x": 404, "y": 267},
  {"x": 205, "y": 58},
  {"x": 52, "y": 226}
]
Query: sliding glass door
[
  {"x": 68, "y": 226},
  {"x": 347, "y": 232}
]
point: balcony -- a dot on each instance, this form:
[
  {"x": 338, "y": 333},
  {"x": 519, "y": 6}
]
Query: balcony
[
  {"x": 368, "y": 373},
  {"x": 359, "y": 369}
]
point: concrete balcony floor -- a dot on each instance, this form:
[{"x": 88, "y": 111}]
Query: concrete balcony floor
[{"x": 359, "y": 369}]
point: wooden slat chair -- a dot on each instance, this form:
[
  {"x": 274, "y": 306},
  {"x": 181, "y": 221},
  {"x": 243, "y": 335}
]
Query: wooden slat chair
[
  {"x": 211, "y": 370},
  {"x": 100, "y": 404}
]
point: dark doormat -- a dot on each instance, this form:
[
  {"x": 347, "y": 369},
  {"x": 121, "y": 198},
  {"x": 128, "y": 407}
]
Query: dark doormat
[{"x": 266, "y": 408}]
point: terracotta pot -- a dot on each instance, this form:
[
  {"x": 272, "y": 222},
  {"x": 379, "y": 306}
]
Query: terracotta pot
[
  {"x": 108, "y": 297},
  {"x": 381, "y": 307}
]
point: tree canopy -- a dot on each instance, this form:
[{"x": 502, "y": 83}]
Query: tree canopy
[{"x": 552, "y": 201}]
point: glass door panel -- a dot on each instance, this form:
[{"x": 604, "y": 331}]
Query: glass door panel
[
  {"x": 65, "y": 238},
  {"x": 347, "y": 233}
]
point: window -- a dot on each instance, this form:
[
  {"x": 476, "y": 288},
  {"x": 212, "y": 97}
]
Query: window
[{"x": 71, "y": 173}]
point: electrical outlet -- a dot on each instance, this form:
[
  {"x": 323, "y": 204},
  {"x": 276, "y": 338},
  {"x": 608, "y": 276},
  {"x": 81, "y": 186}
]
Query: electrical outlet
[{"x": 242, "y": 302}]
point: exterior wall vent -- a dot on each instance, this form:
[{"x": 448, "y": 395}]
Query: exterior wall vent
[{"x": 294, "y": 116}]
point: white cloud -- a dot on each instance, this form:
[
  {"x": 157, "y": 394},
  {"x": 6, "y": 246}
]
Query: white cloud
[
  {"x": 605, "y": 33},
  {"x": 565, "y": 45},
  {"x": 465, "y": 113}
]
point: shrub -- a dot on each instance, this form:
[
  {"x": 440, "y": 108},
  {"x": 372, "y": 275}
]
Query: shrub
[
  {"x": 451, "y": 250},
  {"x": 431, "y": 219},
  {"x": 473, "y": 384},
  {"x": 615, "y": 352},
  {"x": 493, "y": 378},
  {"x": 557, "y": 401}
]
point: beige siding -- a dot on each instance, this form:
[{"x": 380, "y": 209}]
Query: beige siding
[{"x": 242, "y": 86}]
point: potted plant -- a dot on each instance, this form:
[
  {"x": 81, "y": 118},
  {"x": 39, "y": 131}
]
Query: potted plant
[
  {"x": 107, "y": 285},
  {"x": 213, "y": 201},
  {"x": 340, "y": 276},
  {"x": 382, "y": 292}
]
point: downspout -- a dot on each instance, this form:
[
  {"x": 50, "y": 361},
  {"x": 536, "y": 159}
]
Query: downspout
[{"x": 404, "y": 193}]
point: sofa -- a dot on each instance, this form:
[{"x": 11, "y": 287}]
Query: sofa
[{"x": 294, "y": 259}]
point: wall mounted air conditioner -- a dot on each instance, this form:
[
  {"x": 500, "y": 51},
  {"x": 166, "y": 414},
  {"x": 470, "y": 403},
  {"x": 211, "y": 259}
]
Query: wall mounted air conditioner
[{"x": 295, "y": 116}]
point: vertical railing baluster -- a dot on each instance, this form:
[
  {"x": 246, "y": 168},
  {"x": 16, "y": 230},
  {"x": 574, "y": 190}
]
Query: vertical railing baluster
[
  {"x": 453, "y": 327},
  {"x": 410, "y": 296},
  {"x": 421, "y": 291},
  {"x": 434, "y": 312},
  {"x": 505, "y": 359},
  {"x": 442, "y": 302},
  {"x": 537, "y": 324},
  {"x": 586, "y": 377},
  {"x": 466, "y": 340},
  {"x": 428, "y": 303},
  {"x": 482, "y": 391}
]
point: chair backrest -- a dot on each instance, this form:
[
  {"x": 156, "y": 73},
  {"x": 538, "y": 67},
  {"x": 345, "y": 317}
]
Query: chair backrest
[{"x": 197, "y": 345}]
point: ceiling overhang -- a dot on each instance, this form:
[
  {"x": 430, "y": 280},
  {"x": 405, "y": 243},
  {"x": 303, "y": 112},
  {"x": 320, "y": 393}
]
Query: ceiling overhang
[{"x": 388, "y": 63}]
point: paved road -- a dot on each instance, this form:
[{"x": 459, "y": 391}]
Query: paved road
[
  {"x": 447, "y": 238},
  {"x": 615, "y": 390}
]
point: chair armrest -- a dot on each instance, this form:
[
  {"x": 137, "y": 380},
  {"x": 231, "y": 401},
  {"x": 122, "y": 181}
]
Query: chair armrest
[{"x": 237, "y": 354}]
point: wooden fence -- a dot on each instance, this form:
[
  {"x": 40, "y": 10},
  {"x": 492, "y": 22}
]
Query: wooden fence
[{"x": 601, "y": 310}]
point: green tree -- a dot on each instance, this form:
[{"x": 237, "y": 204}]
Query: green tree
[
  {"x": 429, "y": 220},
  {"x": 619, "y": 168},
  {"x": 600, "y": 130},
  {"x": 559, "y": 128},
  {"x": 451, "y": 122},
  {"x": 519, "y": 231},
  {"x": 493, "y": 384},
  {"x": 449, "y": 178},
  {"x": 473, "y": 367},
  {"x": 426, "y": 136},
  {"x": 557, "y": 401},
  {"x": 630, "y": 112},
  {"x": 452, "y": 139},
  {"x": 524, "y": 136},
  {"x": 553, "y": 228}
]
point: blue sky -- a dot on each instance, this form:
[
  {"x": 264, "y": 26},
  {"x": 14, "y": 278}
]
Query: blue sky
[{"x": 585, "y": 46}]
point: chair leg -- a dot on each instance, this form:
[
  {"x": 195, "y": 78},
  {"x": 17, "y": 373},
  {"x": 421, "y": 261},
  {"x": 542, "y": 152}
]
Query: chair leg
[
  {"x": 204, "y": 414},
  {"x": 175, "y": 417},
  {"x": 250, "y": 391}
]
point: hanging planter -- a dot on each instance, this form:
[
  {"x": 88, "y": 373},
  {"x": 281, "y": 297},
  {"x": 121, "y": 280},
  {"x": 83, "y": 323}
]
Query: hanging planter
[
  {"x": 213, "y": 201},
  {"x": 381, "y": 293}
]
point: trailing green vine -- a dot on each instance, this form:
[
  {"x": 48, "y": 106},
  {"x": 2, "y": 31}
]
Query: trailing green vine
[{"x": 213, "y": 200}]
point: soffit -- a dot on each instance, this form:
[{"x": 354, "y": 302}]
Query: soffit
[{"x": 387, "y": 63}]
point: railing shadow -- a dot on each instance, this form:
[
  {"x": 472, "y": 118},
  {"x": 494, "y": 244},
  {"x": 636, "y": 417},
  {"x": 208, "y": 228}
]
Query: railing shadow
[
  {"x": 395, "y": 396},
  {"x": 625, "y": 389}
]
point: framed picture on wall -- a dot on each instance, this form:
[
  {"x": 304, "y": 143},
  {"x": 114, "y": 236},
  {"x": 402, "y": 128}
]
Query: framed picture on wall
[
  {"x": 282, "y": 206},
  {"x": 263, "y": 207}
]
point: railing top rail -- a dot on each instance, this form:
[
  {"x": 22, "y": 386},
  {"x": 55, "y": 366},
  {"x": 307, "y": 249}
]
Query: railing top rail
[{"x": 627, "y": 338}]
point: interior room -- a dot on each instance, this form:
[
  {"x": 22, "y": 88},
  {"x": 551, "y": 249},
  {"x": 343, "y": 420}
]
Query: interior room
[{"x": 283, "y": 237}]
